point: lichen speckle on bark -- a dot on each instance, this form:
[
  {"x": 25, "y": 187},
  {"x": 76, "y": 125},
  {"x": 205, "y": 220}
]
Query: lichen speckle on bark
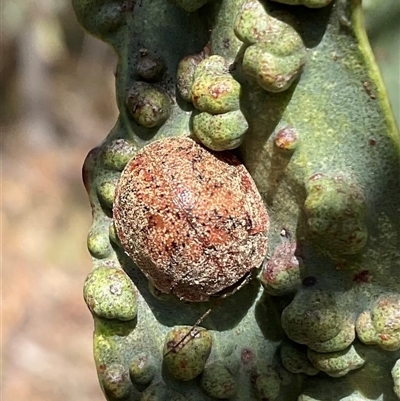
[{"x": 245, "y": 235}]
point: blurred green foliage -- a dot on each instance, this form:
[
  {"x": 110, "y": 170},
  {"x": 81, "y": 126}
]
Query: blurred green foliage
[{"x": 382, "y": 19}]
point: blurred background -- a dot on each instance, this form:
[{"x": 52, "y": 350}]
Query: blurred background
[{"x": 57, "y": 103}]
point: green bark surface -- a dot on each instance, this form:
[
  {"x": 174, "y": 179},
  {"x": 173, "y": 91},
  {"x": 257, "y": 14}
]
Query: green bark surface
[{"x": 320, "y": 320}]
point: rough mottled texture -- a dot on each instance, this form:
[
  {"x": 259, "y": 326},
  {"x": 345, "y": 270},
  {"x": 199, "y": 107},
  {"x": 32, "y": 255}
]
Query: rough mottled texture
[
  {"x": 323, "y": 150},
  {"x": 106, "y": 191},
  {"x": 98, "y": 243},
  {"x": 142, "y": 369},
  {"x": 150, "y": 68},
  {"x": 287, "y": 139},
  {"x": 281, "y": 273},
  {"x": 115, "y": 154},
  {"x": 116, "y": 381},
  {"x": 220, "y": 131},
  {"x": 192, "y": 232},
  {"x": 185, "y": 75},
  {"x": 267, "y": 385},
  {"x": 396, "y": 378},
  {"x": 312, "y": 317},
  {"x": 186, "y": 351},
  {"x": 147, "y": 105},
  {"x": 110, "y": 294},
  {"x": 382, "y": 325},
  {"x": 207, "y": 82},
  {"x": 338, "y": 363},
  {"x": 159, "y": 392},
  {"x": 276, "y": 53},
  {"x": 336, "y": 213},
  {"x": 214, "y": 90},
  {"x": 294, "y": 359},
  {"x": 218, "y": 382}
]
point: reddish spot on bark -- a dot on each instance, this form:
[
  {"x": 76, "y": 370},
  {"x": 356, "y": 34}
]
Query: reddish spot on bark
[
  {"x": 172, "y": 346},
  {"x": 195, "y": 100},
  {"x": 316, "y": 176},
  {"x": 286, "y": 138},
  {"x": 283, "y": 259},
  {"x": 155, "y": 221},
  {"x": 217, "y": 90},
  {"x": 362, "y": 277},
  {"x": 372, "y": 142},
  {"x": 246, "y": 356}
]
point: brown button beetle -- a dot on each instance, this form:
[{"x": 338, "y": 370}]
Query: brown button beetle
[{"x": 192, "y": 220}]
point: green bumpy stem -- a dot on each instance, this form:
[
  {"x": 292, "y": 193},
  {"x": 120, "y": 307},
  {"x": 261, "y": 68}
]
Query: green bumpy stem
[{"x": 296, "y": 91}]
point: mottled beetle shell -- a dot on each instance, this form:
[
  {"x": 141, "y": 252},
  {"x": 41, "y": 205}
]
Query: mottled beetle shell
[{"x": 192, "y": 220}]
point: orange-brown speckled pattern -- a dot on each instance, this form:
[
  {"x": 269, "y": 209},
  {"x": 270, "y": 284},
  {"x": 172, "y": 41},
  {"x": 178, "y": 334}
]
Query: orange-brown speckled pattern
[{"x": 193, "y": 221}]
